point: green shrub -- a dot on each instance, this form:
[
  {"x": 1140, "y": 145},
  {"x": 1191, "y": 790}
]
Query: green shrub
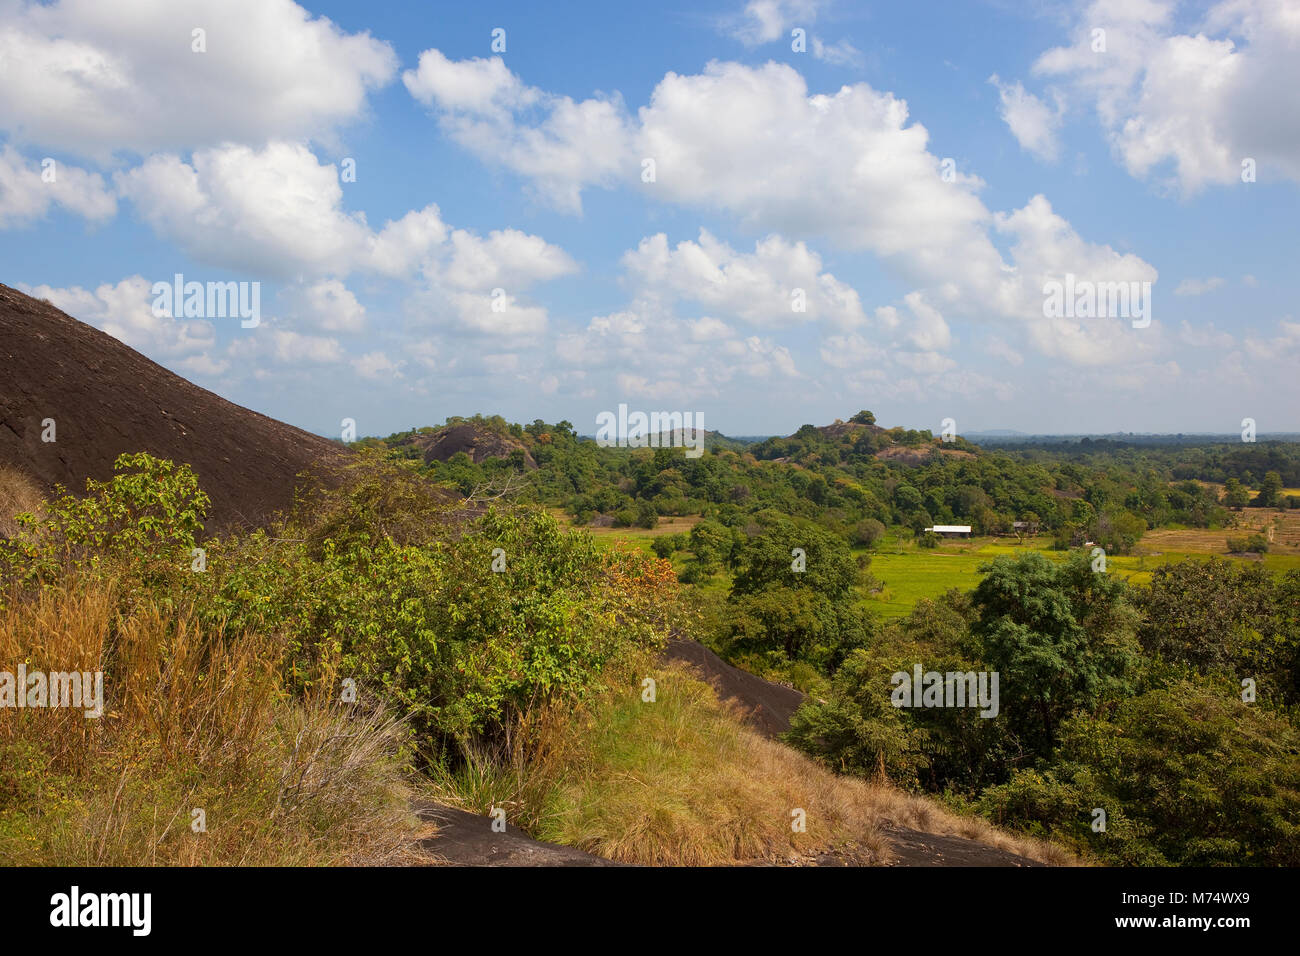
[
  {"x": 143, "y": 522},
  {"x": 1188, "y": 775}
]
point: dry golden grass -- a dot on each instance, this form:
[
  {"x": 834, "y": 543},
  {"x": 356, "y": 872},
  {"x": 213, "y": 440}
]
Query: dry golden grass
[
  {"x": 1285, "y": 524},
  {"x": 891, "y": 806},
  {"x": 189, "y": 723},
  {"x": 683, "y": 781},
  {"x": 18, "y": 495}
]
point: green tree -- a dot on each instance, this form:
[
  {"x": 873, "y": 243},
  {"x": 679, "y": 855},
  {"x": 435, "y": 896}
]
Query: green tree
[
  {"x": 1189, "y": 775},
  {"x": 1270, "y": 491},
  {"x": 856, "y": 728},
  {"x": 1060, "y": 636},
  {"x": 1234, "y": 495}
]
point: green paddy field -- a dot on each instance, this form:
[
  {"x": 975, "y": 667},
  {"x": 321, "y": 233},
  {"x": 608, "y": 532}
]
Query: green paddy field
[{"x": 907, "y": 573}]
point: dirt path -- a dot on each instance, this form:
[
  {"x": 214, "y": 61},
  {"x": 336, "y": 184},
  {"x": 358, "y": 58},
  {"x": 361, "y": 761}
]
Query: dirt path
[
  {"x": 916, "y": 848},
  {"x": 467, "y": 839}
]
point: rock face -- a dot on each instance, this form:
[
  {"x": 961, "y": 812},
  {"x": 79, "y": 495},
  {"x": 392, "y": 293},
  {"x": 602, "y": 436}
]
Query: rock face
[
  {"x": 106, "y": 399},
  {"x": 474, "y": 440}
]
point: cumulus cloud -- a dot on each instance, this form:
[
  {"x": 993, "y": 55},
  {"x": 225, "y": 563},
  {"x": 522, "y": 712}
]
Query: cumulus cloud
[
  {"x": 278, "y": 211},
  {"x": 328, "y": 306},
  {"x": 849, "y": 167},
  {"x": 1046, "y": 248},
  {"x": 1187, "y": 108},
  {"x": 28, "y": 189},
  {"x": 761, "y": 287},
  {"x": 575, "y": 144},
  {"x": 504, "y": 257},
  {"x": 94, "y": 78},
  {"x": 274, "y": 210},
  {"x": 1032, "y": 122}
]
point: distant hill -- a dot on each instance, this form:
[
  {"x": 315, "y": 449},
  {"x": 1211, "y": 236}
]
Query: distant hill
[
  {"x": 107, "y": 399},
  {"x": 476, "y": 440},
  {"x": 842, "y": 442}
]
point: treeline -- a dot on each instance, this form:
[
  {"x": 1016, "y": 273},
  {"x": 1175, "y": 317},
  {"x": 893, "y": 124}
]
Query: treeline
[
  {"x": 850, "y": 476},
  {"x": 1208, "y": 460}
]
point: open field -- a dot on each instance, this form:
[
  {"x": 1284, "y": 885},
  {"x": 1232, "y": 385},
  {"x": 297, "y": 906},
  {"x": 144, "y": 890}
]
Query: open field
[
  {"x": 909, "y": 573},
  {"x": 1285, "y": 541},
  {"x": 668, "y": 525}
]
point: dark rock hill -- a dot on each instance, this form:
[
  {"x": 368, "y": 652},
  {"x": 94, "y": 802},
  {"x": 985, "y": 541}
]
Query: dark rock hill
[{"x": 107, "y": 399}]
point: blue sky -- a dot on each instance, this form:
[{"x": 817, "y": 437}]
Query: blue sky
[{"x": 915, "y": 175}]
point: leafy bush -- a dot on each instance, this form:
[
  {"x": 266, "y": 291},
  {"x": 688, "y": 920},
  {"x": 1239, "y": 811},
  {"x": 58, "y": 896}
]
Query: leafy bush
[
  {"x": 468, "y": 626},
  {"x": 867, "y": 532},
  {"x": 1061, "y": 637},
  {"x": 145, "y": 520},
  {"x": 857, "y": 729},
  {"x": 1188, "y": 775},
  {"x": 1248, "y": 544}
]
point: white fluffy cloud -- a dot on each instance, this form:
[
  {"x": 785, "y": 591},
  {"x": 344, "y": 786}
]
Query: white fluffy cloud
[
  {"x": 274, "y": 210},
  {"x": 95, "y": 78},
  {"x": 278, "y": 211},
  {"x": 29, "y": 189},
  {"x": 753, "y": 142},
  {"x": 327, "y": 305},
  {"x": 505, "y": 258},
  {"x": 758, "y": 287},
  {"x": 848, "y": 167},
  {"x": 1188, "y": 108},
  {"x": 574, "y": 145},
  {"x": 1032, "y": 122},
  {"x": 1045, "y": 249}
]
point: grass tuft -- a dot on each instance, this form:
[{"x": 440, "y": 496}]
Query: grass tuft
[{"x": 191, "y": 723}]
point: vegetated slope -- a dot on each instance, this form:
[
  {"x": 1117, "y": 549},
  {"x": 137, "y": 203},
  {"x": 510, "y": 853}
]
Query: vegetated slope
[
  {"x": 767, "y": 708},
  {"x": 106, "y": 399},
  {"x": 857, "y": 440},
  {"x": 476, "y": 441}
]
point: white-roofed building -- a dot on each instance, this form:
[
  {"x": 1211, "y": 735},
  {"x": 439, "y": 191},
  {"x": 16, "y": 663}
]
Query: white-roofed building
[{"x": 951, "y": 530}]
